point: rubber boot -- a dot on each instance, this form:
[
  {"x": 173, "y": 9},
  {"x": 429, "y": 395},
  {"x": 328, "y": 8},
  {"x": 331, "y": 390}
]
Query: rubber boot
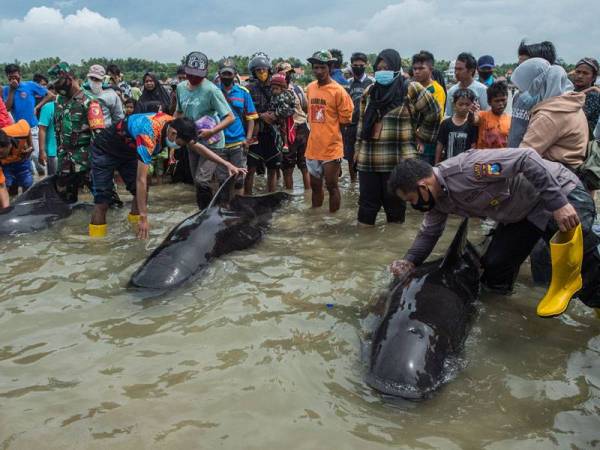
[
  {"x": 566, "y": 252},
  {"x": 133, "y": 218},
  {"x": 97, "y": 231}
]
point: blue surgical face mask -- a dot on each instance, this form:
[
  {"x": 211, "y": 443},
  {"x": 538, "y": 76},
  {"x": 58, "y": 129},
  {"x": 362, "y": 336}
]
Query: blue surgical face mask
[
  {"x": 171, "y": 144},
  {"x": 384, "y": 77}
]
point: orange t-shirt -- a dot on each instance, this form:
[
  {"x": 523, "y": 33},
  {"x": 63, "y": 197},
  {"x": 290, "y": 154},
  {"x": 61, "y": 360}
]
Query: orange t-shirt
[
  {"x": 493, "y": 130},
  {"x": 20, "y": 131},
  {"x": 329, "y": 106}
]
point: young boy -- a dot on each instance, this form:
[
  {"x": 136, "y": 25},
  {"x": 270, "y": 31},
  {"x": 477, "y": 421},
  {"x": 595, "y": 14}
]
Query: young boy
[
  {"x": 16, "y": 165},
  {"x": 282, "y": 104},
  {"x": 459, "y": 132},
  {"x": 494, "y": 125}
]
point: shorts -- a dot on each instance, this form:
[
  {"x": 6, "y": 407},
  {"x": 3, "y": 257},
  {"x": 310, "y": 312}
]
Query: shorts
[
  {"x": 236, "y": 156},
  {"x": 265, "y": 152},
  {"x": 315, "y": 166},
  {"x": 18, "y": 174},
  {"x": 295, "y": 155},
  {"x": 103, "y": 169}
]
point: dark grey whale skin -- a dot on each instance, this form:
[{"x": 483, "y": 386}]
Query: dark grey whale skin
[
  {"x": 228, "y": 224},
  {"x": 35, "y": 209},
  {"x": 427, "y": 320}
]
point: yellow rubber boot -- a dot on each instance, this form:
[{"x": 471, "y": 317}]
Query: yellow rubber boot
[
  {"x": 133, "y": 218},
  {"x": 97, "y": 231},
  {"x": 566, "y": 252}
]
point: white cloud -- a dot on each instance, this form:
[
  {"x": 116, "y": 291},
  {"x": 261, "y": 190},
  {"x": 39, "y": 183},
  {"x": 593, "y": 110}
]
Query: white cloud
[{"x": 445, "y": 27}]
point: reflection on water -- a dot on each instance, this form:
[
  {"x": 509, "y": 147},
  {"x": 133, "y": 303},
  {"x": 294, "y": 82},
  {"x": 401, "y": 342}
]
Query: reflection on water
[{"x": 264, "y": 350}]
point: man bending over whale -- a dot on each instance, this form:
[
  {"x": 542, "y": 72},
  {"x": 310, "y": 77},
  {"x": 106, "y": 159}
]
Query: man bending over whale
[
  {"x": 127, "y": 147},
  {"x": 531, "y": 198}
]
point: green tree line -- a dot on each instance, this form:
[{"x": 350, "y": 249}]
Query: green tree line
[{"x": 135, "y": 68}]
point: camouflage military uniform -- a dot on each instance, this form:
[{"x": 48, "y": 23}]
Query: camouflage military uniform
[{"x": 75, "y": 120}]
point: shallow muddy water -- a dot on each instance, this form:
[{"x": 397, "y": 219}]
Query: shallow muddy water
[{"x": 263, "y": 351}]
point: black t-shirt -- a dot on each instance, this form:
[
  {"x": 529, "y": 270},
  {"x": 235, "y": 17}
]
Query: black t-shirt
[
  {"x": 115, "y": 141},
  {"x": 457, "y": 138}
]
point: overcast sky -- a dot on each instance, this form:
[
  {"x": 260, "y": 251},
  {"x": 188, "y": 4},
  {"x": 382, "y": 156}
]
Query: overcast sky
[{"x": 165, "y": 30}]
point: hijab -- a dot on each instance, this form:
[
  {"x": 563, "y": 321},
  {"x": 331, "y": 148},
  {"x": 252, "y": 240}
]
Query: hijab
[
  {"x": 151, "y": 101},
  {"x": 383, "y": 99},
  {"x": 538, "y": 80}
]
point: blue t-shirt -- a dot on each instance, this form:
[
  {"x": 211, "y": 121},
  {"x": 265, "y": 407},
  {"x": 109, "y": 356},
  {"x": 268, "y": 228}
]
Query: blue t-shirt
[
  {"x": 47, "y": 120},
  {"x": 338, "y": 76},
  {"x": 24, "y": 101},
  {"x": 241, "y": 103}
]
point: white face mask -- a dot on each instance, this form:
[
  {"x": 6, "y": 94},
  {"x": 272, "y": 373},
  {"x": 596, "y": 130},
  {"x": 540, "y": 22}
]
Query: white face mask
[{"x": 95, "y": 86}]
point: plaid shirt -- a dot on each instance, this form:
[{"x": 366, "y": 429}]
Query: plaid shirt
[{"x": 399, "y": 133}]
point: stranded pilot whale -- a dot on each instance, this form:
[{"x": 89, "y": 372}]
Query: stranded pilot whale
[
  {"x": 226, "y": 225},
  {"x": 427, "y": 320},
  {"x": 35, "y": 209}
]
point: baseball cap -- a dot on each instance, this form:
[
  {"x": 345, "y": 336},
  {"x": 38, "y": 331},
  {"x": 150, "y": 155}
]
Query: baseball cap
[
  {"x": 196, "y": 63},
  {"x": 283, "y": 66},
  {"x": 321, "y": 57},
  {"x": 227, "y": 66},
  {"x": 486, "y": 62},
  {"x": 96, "y": 71}
]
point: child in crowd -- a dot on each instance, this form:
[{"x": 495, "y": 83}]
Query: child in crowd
[
  {"x": 283, "y": 106},
  {"x": 494, "y": 125},
  {"x": 16, "y": 156},
  {"x": 129, "y": 106},
  {"x": 458, "y": 133}
]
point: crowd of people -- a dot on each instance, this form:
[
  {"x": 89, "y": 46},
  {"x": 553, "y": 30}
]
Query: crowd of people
[{"x": 404, "y": 135}]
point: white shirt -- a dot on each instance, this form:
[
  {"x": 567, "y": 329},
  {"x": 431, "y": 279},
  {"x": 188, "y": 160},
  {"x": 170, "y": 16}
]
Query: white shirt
[{"x": 478, "y": 88}]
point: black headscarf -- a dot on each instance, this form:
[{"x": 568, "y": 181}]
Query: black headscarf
[
  {"x": 382, "y": 99},
  {"x": 151, "y": 101}
]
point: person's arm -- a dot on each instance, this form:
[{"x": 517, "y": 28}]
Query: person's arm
[
  {"x": 141, "y": 195},
  {"x": 212, "y": 156},
  {"x": 431, "y": 229},
  {"x": 4, "y": 199},
  {"x": 424, "y": 106},
  {"x": 42, "y": 145},
  {"x": 12, "y": 88},
  {"x": 49, "y": 97},
  {"x": 345, "y": 108},
  {"x": 541, "y": 134},
  {"x": 597, "y": 131},
  {"x": 449, "y": 110},
  {"x": 117, "y": 113},
  {"x": 439, "y": 149}
]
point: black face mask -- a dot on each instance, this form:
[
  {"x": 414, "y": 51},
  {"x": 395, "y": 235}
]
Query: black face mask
[
  {"x": 226, "y": 81},
  {"x": 422, "y": 205},
  {"x": 485, "y": 75},
  {"x": 358, "y": 71},
  {"x": 63, "y": 86}
]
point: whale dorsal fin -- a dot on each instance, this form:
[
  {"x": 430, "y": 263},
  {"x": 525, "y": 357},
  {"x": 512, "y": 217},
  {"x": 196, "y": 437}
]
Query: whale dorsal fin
[
  {"x": 457, "y": 247},
  {"x": 225, "y": 193}
]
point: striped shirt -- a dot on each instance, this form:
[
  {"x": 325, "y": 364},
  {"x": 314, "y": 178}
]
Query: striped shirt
[{"x": 398, "y": 139}]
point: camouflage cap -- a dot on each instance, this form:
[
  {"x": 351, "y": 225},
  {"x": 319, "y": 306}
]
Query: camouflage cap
[
  {"x": 56, "y": 69},
  {"x": 321, "y": 57},
  {"x": 284, "y": 66}
]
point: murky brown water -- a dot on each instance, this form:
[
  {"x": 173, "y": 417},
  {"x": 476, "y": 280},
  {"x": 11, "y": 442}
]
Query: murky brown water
[{"x": 251, "y": 357}]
